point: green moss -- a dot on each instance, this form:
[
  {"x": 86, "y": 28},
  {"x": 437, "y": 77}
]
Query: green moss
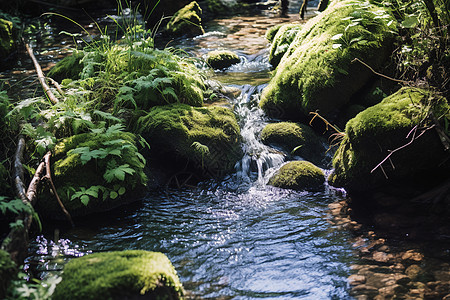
[
  {"x": 186, "y": 21},
  {"x": 6, "y": 38},
  {"x": 69, "y": 67},
  {"x": 222, "y": 59},
  {"x": 296, "y": 138},
  {"x": 281, "y": 42},
  {"x": 376, "y": 131},
  {"x": 74, "y": 173},
  {"x": 299, "y": 175},
  {"x": 316, "y": 71},
  {"x": 272, "y": 32},
  {"x": 208, "y": 137},
  {"x": 127, "y": 274},
  {"x": 8, "y": 271}
]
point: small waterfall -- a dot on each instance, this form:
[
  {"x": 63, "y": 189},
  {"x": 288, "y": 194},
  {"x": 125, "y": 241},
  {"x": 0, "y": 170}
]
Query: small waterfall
[{"x": 258, "y": 158}]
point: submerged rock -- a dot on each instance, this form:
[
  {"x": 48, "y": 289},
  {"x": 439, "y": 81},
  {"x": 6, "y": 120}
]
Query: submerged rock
[
  {"x": 205, "y": 140},
  {"x": 222, "y": 59},
  {"x": 389, "y": 125},
  {"x": 316, "y": 72},
  {"x": 95, "y": 172},
  {"x": 299, "y": 175},
  {"x": 296, "y": 139},
  {"x": 186, "y": 21},
  {"x": 131, "y": 274}
]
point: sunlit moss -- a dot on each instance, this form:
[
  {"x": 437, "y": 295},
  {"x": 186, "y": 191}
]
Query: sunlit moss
[
  {"x": 186, "y": 21},
  {"x": 296, "y": 138},
  {"x": 221, "y": 59},
  {"x": 316, "y": 72},
  {"x": 376, "y": 131},
  {"x": 208, "y": 137},
  {"x": 281, "y": 41},
  {"x": 6, "y": 38},
  {"x": 299, "y": 175},
  {"x": 72, "y": 175},
  {"x": 130, "y": 274}
]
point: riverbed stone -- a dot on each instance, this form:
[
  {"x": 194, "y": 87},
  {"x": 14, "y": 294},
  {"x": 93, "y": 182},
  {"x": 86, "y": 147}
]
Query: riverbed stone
[
  {"x": 222, "y": 59},
  {"x": 316, "y": 72},
  {"x": 94, "y": 172},
  {"x": 296, "y": 139},
  {"x": 375, "y": 132},
  {"x": 186, "y": 21},
  {"x": 299, "y": 175},
  {"x": 8, "y": 270},
  {"x": 130, "y": 274},
  {"x": 204, "y": 140}
]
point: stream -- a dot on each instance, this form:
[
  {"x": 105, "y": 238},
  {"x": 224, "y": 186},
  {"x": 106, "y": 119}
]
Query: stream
[{"x": 238, "y": 238}]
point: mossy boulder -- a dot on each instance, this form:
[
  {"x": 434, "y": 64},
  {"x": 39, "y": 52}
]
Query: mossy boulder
[
  {"x": 186, "y": 21},
  {"x": 95, "y": 172},
  {"x": 6, "y": 38},
  {"x": 295, "y": 138},
  {"x": 70, "y": 67},
  {"x": 8, "y": 271},
  {"x": 299, "y": 175},
  {"x": 130, "y": 274},
  {"x": 203, "y": 139},
  {"x": 221, "y": 59},
  {"x": 281, "y": 41},
  {"x": 317, "y": 72},
  {"x": 376, "y": 131}
]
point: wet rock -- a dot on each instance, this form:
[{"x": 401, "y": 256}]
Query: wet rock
[
  {"x": 356, "y": 279},
  {"x": 299, "y": 175},
  {"x": 222, "y": 59},
  {"x": 296, "y": 139},
  {"x": 316, "y": 73},
  {"x": 414, "y": 272},
  {"x": 203, "y": 140},
  {"x": 382, "y": 257},
  {"x": 186, "y": 21},
  {"x": 130, "y": 274},
  {"x": 365, "y": 289},
  {"x": 412, "y": 256},
  {"x": 111, "y": 168},
  {"x": 375, "y": 132}
]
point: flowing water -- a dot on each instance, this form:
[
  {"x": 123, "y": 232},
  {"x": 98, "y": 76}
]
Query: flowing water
[{"x": 238, "y": 238}]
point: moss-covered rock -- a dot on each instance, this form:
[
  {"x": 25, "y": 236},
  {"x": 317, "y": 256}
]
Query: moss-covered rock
[
  {"x": 376, "y": 131},
  {"x": 186, "y": 21},
  {"x": 221, "y": 59},
  {"x": 207, "y": 138},
  {"x": 281, "y": 41},
  {"x": 131, "y": 274},
  {"x": 95, "y": 172},
  {"x": 316, "y": 71},
  {"x": 6, "y": 38},
  {"x": 299, "y": 175},
  {"x": 295, "y": 138},
  {"x": 8, "y": 270},
  {"x": 69, "y": 67}
]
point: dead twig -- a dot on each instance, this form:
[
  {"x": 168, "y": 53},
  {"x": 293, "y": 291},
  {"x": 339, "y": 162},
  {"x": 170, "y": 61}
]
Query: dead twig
[
  {"x": 327, "y": 124},
  {"x": 41, "y": 76},
  {"x": 52, "y": 186},
  {"x": 377, "y": 73},
  {"x": 413, "y": 138}
]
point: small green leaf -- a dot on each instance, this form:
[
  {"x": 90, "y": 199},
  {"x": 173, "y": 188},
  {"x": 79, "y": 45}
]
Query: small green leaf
[
  {"x": 337, "y": 36},
  {"x": 121, "y": 191},
  {"x": 336, "y": 46},
  {"x": 84, "y": 199},
  {"x": 410, "y": 22},
  {"x": 113, "y": 195}
]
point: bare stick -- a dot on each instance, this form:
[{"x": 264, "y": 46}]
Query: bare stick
[
  {"x": 18, "y": 170},
  {"x": 413, "y": 138},
  {"x": 52, "y": 185},
  {"x": 328, "y": 124},
  {"x": 57, "y": 86},
  {"x": 379, "y": 74},
  {"x": 41, "y": 76}
]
